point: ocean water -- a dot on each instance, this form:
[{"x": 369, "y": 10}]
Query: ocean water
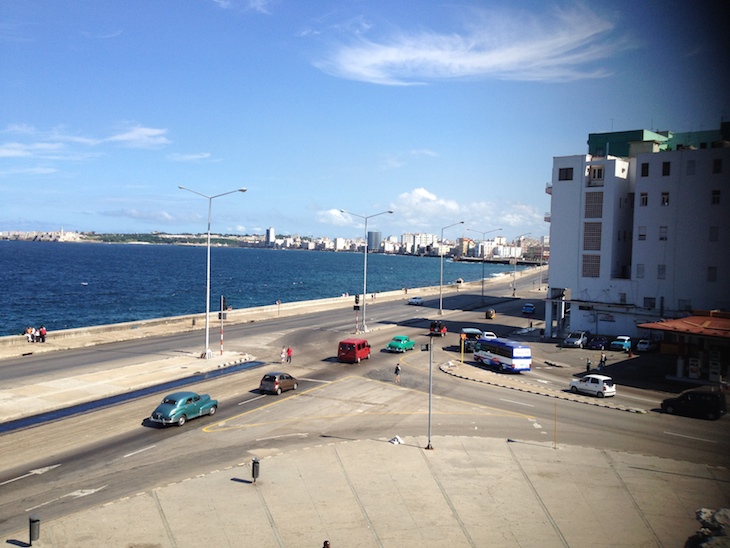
[{"x": 68, "y": 285}]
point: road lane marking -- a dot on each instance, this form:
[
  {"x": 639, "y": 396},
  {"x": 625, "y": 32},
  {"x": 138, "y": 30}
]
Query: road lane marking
[
  {"x": 252, "y": 399},
  {"x": 689, "y": 437},
  {"x": 33, "y": 472},
  {"x": 75, "y": 494},
  {"x": 517, "y": 402},
  {"x": 138, "y": 451},
  {"x": 296, "y": 434}
]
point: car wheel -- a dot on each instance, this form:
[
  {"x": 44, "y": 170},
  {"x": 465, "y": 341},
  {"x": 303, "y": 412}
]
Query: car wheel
[
  {"x": 573, "y": 389},
  {"x": 295, "y": 386},
  {"x": 580, "y": 346},
  {"x": 357, "y": 360},
  {"x": 711, "y": 416},
  {"x": 212, "y": 410},
  {"x": 182, "y": 420},
  {"x": 669, "y": 409},
  {"x": 600, "y": 394},
  {"x": 278, "y": 391}
]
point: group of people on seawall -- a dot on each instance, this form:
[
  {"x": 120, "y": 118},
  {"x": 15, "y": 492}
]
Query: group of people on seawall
[{"x": 35, "y": 334}]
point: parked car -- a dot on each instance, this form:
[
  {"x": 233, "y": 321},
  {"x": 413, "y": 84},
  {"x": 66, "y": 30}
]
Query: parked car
[
  {"x": 596, "y": 385},
  {"x": 469, "y": 336},
  {"x": 353, "y": 350},
  {"x": 576, "y": 339},
  {"x": 598, "y": 343},
  {"x": 180, "y": 407},
  {"x": 697, "y": 402},
  {"x": 622, "y": 342},
  {"x": 400, "y": 343},
  {"x": 646, "y": 345},
  {"x": 277, "y": 382},
  {"x": 416, "y": 301},
  {"x": 438, "y": 328},
  {"x": 528, "y": 309}
]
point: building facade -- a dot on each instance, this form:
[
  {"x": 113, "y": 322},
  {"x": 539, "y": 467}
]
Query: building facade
[{"x": 641, "y": 237}]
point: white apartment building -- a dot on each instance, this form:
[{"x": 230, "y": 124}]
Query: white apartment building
[{"x": 639, "y": 236}]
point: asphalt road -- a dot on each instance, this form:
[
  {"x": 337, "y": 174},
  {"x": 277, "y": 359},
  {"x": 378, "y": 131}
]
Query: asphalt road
[{"x": 68, "y": 465}]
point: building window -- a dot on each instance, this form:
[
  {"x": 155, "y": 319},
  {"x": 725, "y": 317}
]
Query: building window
[
  {"x": 591, "y": 266},
  {"x": 622, "y": 298},
  {"x": 565, "y": 174},
  {"x": 715, "y": 199},
  {"x": 591, "y": 236},
  {"x": 714, "y": 233},
  {"x": 711, "y": 273},
  {"x": 642, "y": 233},
  {"x": 666, "y": 168},
  {"x": 665, "y": 198},
  {"x": 690, "y": 167},
  {"x": 643, "y": 199},
  {"x": 632, "y": 197},
  {"x": 594, "y": 205},
  {"x": 717, "y": 165},
  {"x": 661, "y": 272},
  {"x": 645, "y": 169},
  {"x": 597, "y": 173},
  {"x": 639, "y": 270},
  {"x": 663, "y": 233},
  {"x": 650, "y": 303}
]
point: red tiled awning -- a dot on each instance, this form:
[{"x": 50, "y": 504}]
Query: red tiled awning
[{"x": 703, "y": 326}]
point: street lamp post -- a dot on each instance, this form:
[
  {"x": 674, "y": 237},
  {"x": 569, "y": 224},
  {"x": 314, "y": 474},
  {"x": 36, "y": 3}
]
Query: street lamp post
[
  {"x": 365, "y": 262},
  {"x": 483, "y": 233},
  {"x": 441, "y": 279},
  {"x": 514, "y": 272},
  {"x": 207, "y": 354}
]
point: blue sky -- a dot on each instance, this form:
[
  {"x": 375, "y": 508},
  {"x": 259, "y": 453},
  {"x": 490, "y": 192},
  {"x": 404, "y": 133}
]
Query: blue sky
[{"x": 440, "y": 111}]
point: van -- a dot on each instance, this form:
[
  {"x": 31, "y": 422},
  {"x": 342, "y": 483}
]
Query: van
[
  {"x": 353, "y": 350},
  {"x": 704, "y": 403}
]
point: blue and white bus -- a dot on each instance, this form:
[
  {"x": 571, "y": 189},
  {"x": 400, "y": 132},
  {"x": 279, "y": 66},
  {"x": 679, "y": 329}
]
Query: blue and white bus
[{"x": 504, "y": 354}]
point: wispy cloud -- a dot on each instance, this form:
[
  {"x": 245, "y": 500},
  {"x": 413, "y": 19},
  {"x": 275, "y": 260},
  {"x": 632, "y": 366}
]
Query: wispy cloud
[
  {"x": 177, "y": 157},
  {"x": 140, "y": 137},
  {"x": 398, "y": 160},
  {"x": 561, "y": 45},
  {"x": 260, "y": 6}
]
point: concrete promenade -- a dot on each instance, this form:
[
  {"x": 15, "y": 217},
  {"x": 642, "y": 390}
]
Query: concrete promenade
[{"x": 467, "y": 491}]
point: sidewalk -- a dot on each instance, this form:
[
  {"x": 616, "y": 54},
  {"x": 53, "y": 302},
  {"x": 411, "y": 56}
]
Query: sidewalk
[{"x": 469, "y": 492}]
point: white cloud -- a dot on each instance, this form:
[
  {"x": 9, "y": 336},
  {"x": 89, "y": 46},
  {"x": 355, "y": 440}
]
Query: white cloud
[
  {"x": 141, "y": 137},
  {"x": 334, "y": 217},
  {"x": 151, "y": 216},
  {"x": 560, "y": 46},
  {"x": 18, "y": 150},
  {"x": 177, "y": 157}
]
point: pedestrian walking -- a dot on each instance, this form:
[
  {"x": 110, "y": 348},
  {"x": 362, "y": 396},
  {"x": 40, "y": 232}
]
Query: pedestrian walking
[
  {"x": 588, "y": 365},
  {"x": 283, "y": 354},
  {"x": 289, "y": 353},
  {"x": 397, "y": 373},
  {"x": 602, "y": 361}
]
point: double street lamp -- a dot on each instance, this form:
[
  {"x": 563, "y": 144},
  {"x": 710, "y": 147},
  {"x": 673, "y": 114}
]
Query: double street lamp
[
  {"x": 207, "y": 354},
  {"x": 441, "y": 280},
  {"x": 364, "y": 327},
  {"x": 483, "y": 233}
]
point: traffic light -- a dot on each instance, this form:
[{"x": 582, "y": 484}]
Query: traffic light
[
  {"x": 357, "y": 299},
  {"x": 223, "y": 303}
]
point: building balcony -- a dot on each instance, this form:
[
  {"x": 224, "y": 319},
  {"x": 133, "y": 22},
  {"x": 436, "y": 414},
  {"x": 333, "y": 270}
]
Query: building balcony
[
  {"x": 549, "y": 188},
  {"x": 548, "y": 217}
]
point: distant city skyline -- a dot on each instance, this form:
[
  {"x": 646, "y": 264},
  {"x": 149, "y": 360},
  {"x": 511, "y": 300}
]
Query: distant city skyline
[{"x": 439, "y": 112}]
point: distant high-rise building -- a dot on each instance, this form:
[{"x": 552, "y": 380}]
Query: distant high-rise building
[
  {"x": 270, "y": 237},
  {"x": 374, "y": 239}
]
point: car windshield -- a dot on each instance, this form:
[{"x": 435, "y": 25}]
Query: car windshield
[
  {"x": 170, "y": 401},
  {"x": 269, "y": 378},
  {"x": 574, "y": 336},
  {"x": 607, "y": 382}
]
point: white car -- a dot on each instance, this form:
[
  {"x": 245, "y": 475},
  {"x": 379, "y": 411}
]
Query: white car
[
  {"x": 416, "y": 301},
  {"x": 596, "y": 385},
  {"x": 488, "y": 335},
  {"x": 646, "y": 345}
]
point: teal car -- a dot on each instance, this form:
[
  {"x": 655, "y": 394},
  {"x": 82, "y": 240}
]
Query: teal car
[
  {"x": 180, "y": 407},
  {"x": 400, "y": 343}
]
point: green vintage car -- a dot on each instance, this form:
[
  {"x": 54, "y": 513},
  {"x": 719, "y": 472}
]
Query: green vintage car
[
  {"x": 180, "y": 407},
  {"x": 400, "y": 343}
]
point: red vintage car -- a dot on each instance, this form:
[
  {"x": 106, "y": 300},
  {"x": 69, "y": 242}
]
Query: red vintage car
[{"x": 438, "y": 328}]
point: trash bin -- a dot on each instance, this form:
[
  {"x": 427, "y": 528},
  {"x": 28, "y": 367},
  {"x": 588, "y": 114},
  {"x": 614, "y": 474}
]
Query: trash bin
[
  {"x": 255, "y": 465},
  {"x": 35, "y": 527}
]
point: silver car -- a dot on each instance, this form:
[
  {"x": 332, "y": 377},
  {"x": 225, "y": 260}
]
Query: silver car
[{"x": 576, "y": 339}]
